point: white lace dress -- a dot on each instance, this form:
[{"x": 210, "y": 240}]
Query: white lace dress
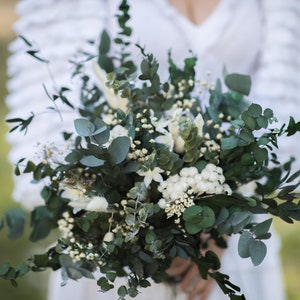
[{"x": 257, "y": 37}]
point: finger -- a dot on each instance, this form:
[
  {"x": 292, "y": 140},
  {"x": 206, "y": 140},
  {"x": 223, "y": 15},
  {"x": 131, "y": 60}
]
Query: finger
[
  {"x": 203, "y": 288},
  {"x": 178, "y": 267},
  {"x": 190, "y": 278}
]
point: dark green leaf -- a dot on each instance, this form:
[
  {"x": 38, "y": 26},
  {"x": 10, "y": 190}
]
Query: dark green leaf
[
  {"x": 122, "y": 291},
  {"x": 104, "y": 43},
  {"x": 15, "y": 221},
  {"x": 239, "y": 83},
  {"x": 262, "y": 228},
  {"x": 268, "y": 113},
  {"x": 293, "y": 127},
  {"x": 254, "y": 110},
  {"x": 30, "y": 166},
  {"x": 41, "y": 261}
]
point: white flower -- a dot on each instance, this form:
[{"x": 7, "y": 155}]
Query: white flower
[
  {"x": 179, "y": 145},
  {"x": 174, "y": 113},
  {"x": 166, "y": 139},
  {"x": 150, "y": 175},
  {"x": 160, "y": 124},
  {"x": 173, "y": 128},
  {"x": 108, "y": 237},
  {"x": 199, "y": 123},
  {"x": 80, "y": 200},
  {"x": 178, "y": 140},
  {"x": 162, "y": 203},
  {"x": 117, "y": 131},
  {"x": 114, "y": 100},
  {"x": 98, "y": 204},
  {"x": 75, "y": 194},
  {"x": 248, "y": 189}
]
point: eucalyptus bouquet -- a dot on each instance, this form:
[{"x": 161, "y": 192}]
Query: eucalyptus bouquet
[{"x": 149, "y": 168}]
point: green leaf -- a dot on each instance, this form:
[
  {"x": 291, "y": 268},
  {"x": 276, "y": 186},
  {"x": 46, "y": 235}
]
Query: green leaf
[
  {"x": 239, "y": 83},
  {"x": 260, "y": 154},
  {"x": 122, "y": 291},
  {"x": 104, "y": 284},
  {"x": 268, "y": 113},
  {"x": 15, "y": 220},
  {"x": 130, "y": 220},
  {"x": 84, "y": 127},
  {"x": 293, "y": 127},
  {"x": 119, "y": 149},
  {"x": 73, "y": 157},
  {"x": 150, "y": 237},
  {"x": 22, "y": 269},
  {"x": 262, "y": 122},
  {"x": 229, "y": 143},
  {"x": 197, "y": 218},
  {"x": 104, "y": 43},
  {"x": 254, "y": 110},
  {"x": 244, "y": 243},
  {"x": 92, "y": 161},
  {"x": 258, "y": 251},
  {"x": 4, "y": 269},
  {"x": 74, "y": 273},
  {"x": 262, "y": 228},
  {"x": 239, "y": 220},
  {"x": 29, "y": 167},
  {"x": 41, "y": 261},
  {"x": 41, "y": 222},
  {"x": 106, "y": 63},
  {"x": 111, "y": 276}
]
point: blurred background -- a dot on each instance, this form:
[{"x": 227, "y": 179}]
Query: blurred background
[{"x": 33, "y": 287}]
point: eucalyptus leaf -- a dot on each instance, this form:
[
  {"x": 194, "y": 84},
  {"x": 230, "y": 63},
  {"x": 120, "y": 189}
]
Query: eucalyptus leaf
[
  {"x": 84, "y": 127},
  {"x": 229, "y": 143},
  {"x": 244, "y": 244},
  {"x": 92, "y": 161},
  {"x": 122, "y": 291},
  {"x": 104, "y": 43},
  {"x": 258, "y": 251},
  {"x": 15, "y": 221},
  {"x": 4, "y": 269},
  {"x": 119, "y": 149},
  {"x": 239, "y": 83},
  {"x": 262, "y": 228}
]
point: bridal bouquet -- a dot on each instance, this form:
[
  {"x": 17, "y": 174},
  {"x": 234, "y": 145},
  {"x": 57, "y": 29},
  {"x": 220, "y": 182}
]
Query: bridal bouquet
[{"x": 149, "y": 171}]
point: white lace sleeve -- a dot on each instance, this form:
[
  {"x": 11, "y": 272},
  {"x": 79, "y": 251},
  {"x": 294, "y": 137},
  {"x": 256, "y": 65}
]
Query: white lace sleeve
[
  {"x": 58, "y": 28},
  {"x": 277, "y": 81}
]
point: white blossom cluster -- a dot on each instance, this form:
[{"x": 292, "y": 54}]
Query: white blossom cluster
[
  {"x": 65, "y": 225},
  {"x": 76, "y": 250},
  {"x": 137, "y": 154},
  {"x": 80, "y": 200},
  {"x": 179, "y": 191},
  {"x": 54, "y": 154}
]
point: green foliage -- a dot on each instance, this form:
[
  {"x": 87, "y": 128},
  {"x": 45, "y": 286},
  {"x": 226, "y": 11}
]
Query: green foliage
[
  {"x": 198, "y": 218},
  {"x": 139, "y": 184},
  {"x": 239, "y": 83}
]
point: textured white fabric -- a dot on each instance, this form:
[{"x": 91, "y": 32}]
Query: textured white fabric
[{"x": 257, "y": 37}]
